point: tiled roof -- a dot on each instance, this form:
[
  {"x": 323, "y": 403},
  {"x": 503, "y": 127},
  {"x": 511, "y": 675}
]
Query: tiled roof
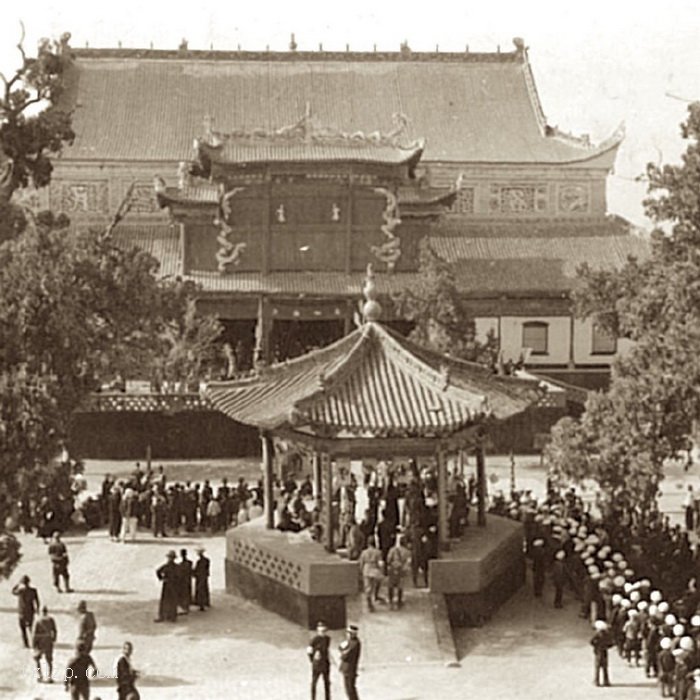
[
  {"x": 160, "y": 240},
  {"x": 372, "y": 383},
  {"x": 481, "y": 264},
  {"x": 148, "y": 107}
]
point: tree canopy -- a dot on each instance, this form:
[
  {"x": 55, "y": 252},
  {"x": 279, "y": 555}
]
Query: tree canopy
[
  {"x": 441, "y": 317},
  {"x": 647, "y": 416}
]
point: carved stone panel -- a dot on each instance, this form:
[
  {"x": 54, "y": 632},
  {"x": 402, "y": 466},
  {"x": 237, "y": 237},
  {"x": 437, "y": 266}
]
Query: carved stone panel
[
  {"x": 574, "y": 199},
  {"x": 73, "y": 197},
  {"x": 518, "y": 200}
]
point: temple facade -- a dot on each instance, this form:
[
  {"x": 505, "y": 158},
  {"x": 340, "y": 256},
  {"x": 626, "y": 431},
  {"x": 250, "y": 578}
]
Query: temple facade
[{"x": 280, "y": 175}]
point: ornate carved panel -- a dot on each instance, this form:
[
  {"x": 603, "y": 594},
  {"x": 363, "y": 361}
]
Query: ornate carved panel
[
  {"x": 390, "y": 250},
  {"x": 574, "y": 199},
  {"x": 516, "y": 200},
  {"x": 74, "y": 197},
  {"x": 464, "y": 203},
  {"x": 31, "y": 198},
  {"x": 143, "y": 200}
]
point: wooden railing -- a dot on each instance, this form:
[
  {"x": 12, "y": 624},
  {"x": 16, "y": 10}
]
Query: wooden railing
[{"x": 115, "y": 402}]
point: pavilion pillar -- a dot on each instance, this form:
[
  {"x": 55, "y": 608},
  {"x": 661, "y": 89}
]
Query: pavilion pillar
[
  {"x": 327, "y": 502},
  {"x": 316, "y": 476},
  {"x": 443, "y": 530},
  {"x": 480, "y": 485},
  {"x": 268, "y": 451},
  {"x": 262, "y": 353}
]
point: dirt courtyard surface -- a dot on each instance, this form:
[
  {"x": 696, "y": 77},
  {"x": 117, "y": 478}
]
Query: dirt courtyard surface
[{"x": 529, "y": 650}]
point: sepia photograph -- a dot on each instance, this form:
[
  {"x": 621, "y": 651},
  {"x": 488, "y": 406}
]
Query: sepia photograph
[{"x": 349, "y": 350}]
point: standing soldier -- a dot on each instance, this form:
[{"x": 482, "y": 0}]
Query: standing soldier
[
  {"x": 318, "y": 652},
  {"x": 27, "y": 606},
  {"x": 59, "y": 563},
  {"x": 558, "y": 577},
  {"x": 667, "y": 667},
  {"x": 86, "y": 626},
  {"x": 350, "y": 649},
  {"x": 168, "y": 574},
  {"x": 200, "y": 573},
  {"x": 601, "y": 642},
  {"x": 43, "y": 640},
  {"x": 370, "y": 562},
  {"x": 77, "y": 678},
  {"x": 538, "y": 565},
  {"x": 397, "y": 562}
]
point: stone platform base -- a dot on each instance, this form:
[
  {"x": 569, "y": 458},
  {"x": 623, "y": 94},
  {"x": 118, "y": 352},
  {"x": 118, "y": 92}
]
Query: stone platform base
[
  {"x": 480, "y": 572},
  {"x": 289, "y": 574}
]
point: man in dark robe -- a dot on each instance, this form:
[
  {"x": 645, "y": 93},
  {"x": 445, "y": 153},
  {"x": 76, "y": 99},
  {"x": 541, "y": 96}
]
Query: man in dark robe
[
  {"x": 185, "y": 584},
  {"x": 200, "y": 573},
  {"x": 114, "y": 513},
  {"x": 350, "y": 650},
  {"x": 168, "y": 574}
]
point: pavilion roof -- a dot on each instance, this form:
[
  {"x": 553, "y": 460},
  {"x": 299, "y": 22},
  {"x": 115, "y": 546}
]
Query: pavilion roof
[{"x": 372, "y": 383}]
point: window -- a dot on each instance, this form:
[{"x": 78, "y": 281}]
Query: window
[
  {"x": 535, "y": 337},
  {"x": 603, "y": 343}
]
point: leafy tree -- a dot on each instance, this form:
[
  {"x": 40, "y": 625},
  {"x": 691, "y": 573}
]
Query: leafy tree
[
  {"x": 34, "y": 124},
  {"x": 647, "y": 416},
  {"x": 441, "y": 317}
]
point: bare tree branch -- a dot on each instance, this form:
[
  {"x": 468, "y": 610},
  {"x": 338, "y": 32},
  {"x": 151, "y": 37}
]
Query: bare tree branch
[
  {"x": 122, "y": 210},
  {"x": 20, "y": 43}
]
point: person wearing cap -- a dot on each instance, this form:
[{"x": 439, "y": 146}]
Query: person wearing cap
[
  {"x": 184, "y": 570},
  {"x": 371, "y": 565},
  {"x": 200, "y": 574},
  {"x": 318, "y": 652},
  {"x": 77, "y": 676},
  {"x": 538, "y": 566},
  {"x": 86, "y": 626},
  {"x": 59, "y": 562},
  {"x": 350, "y": 649},
  {"x": 397, "y": 564},
  {"x": 169, "y": 576},
  {"x": 667, "y": 667},
  {"x": 126, "y": 675},
  {"x": 601, "y": 642},
  {"x": 633, "y": 641},
  {"x": 651, "y": 646},
  {"x": 27, "y": 606},
  {"x": 43, "y": 639},
  {"x": 558, "y": 578}
]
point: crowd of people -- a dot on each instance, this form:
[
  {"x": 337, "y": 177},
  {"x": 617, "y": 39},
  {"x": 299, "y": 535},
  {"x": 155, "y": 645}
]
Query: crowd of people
[{"x": 635, "y": 577}]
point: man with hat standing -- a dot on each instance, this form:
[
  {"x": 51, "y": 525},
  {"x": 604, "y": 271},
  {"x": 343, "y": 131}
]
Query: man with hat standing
[
  {"x": 559, "y": 577},
  {"x": 86, "y": 626},
  {"x": 200, "y": 574},
  {"x": 77, "y": 677},
  {"x": 350, "y": 649},
  {"x": 538, "y": 566},
  {"x": 601, "y": 642},
  {"x": 169, "y": 575},
  {"x": 27, "y": 606},
  {"x": 318, "y": 652}
]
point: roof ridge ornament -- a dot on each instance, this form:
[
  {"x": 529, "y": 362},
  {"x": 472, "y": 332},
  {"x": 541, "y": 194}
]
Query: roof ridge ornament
[{"x": 371, "y": 309}]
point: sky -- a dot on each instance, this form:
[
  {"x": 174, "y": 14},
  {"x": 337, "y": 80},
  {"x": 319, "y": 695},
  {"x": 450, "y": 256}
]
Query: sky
[{"x": 596, "y": 63}]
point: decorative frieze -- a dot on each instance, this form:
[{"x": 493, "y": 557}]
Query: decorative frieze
[
  {"x": 574, "y": 199},
  {"x": 516, "y": 200},
  {"x": 230, "y": 252},
  {"x": 72, "y": 197},
  {"x": 464, "y": 203},
  {"x": 143, "y": 199}
]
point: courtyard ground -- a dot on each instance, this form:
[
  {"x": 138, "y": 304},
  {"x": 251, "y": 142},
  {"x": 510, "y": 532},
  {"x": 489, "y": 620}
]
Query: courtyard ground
[{"x": 529, "y": 650}]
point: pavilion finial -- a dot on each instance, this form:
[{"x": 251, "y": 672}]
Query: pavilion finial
[{"x": 371, "y": 309}]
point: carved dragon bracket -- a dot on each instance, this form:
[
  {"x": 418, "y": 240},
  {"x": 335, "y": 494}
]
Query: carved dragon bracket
[
  {"x": 390, "y": 251},
  {"x": 230, "y": 252}
]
